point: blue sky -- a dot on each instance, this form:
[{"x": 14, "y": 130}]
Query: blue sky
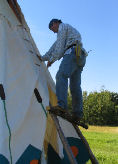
[{"x": 96, "y": 20}]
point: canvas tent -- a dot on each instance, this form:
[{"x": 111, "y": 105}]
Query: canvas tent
[{"x": 27, "y": 132}]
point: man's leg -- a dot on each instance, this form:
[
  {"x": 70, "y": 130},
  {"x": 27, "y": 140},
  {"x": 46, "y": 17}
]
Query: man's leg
[
  {"x": 61, "y": 89},
  {"x": 65, "y": 70},
  {"x": 76, "y": 91}
]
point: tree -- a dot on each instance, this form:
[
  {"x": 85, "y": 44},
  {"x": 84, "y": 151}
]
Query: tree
[{"x": 100, "y": 108}]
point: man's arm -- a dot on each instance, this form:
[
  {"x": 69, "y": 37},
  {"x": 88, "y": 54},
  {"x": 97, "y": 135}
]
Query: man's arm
[
  {"x": 58, "y": 51},
  {"x": 39, "y": 57},
  {"x": 48, "y": 54},
  {"x": 48, "y": 64}
]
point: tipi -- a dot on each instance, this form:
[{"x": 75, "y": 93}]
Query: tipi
[{"x": 27, "y": 132}]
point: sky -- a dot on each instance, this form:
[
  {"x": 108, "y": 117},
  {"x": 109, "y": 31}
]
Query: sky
[{"x": 97, "y": 22}]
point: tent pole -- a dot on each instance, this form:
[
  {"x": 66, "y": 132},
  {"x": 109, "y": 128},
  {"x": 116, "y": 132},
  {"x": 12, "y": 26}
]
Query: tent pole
[
  {"x": 64, "y": 140},
  {"x": 92, "y": 157}
]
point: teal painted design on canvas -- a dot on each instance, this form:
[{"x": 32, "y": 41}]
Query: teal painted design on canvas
[
  {"x": 30, "y": 154},
  {"x": 3, "y": 159},
  {"x": 79, "y": 150},
  {"x": 53, "y": 157}
]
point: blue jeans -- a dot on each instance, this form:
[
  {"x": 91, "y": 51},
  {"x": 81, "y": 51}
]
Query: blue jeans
[{"x": 69, "y": 69}]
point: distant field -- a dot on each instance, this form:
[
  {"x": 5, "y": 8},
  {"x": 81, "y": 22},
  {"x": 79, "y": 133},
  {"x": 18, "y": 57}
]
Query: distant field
[{"x": 103, "y": 142}]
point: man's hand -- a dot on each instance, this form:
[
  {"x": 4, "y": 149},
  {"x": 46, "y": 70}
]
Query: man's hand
[
  {"x": 49, "y": 64},
  {"x": 39, "y": 57}
]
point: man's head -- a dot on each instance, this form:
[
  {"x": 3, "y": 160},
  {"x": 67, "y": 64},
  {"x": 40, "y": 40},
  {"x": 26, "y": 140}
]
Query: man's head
[{"x": 54, "y": 25}]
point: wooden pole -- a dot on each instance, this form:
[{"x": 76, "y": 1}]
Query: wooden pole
[
  {"x": 92, "y": 157},
  {"x": 64, "y": 140}
]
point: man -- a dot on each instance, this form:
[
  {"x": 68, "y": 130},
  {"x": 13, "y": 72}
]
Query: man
[{"x": 66, "y": 45}]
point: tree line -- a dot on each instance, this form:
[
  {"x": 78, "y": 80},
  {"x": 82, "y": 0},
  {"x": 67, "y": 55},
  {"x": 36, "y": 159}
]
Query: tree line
[{"x": 100, "y": 108}]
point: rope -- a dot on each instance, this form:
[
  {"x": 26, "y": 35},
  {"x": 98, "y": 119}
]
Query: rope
[{"x": 8, "y": 130}]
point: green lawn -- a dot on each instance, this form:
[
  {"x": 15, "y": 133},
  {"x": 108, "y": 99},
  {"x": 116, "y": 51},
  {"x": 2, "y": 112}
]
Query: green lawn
[{"x": 104, "y": 143}]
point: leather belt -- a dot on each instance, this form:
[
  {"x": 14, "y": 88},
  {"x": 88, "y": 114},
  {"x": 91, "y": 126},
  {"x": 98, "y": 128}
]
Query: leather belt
[{"x": 70, "y": 46}]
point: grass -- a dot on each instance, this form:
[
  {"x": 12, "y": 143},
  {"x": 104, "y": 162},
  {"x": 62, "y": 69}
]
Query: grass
[{"x": 103, "y": 142}]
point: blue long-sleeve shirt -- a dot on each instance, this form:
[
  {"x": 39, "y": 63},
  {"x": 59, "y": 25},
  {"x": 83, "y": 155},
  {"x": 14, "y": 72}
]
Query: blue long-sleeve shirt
[{"x": 66, "y": 36}]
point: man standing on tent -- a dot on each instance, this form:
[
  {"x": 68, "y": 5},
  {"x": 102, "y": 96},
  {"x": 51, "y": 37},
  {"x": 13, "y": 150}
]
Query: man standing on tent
[{"x": 69, "y": 47}]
